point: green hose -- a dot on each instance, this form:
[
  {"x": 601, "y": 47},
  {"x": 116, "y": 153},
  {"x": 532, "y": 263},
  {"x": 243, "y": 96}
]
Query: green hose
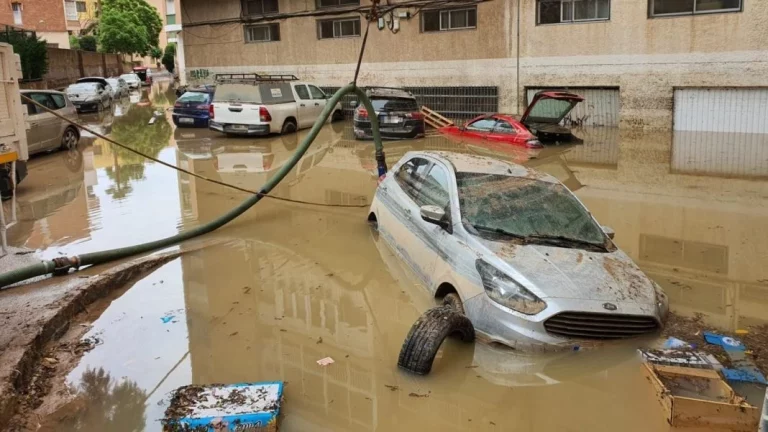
[{"x": 63, "y": 265}]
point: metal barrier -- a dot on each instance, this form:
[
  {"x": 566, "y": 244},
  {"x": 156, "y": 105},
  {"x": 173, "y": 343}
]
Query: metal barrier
[{"x": 456, "y": 103}]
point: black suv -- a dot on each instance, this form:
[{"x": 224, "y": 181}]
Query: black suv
[{"x": 398, "y": 113}]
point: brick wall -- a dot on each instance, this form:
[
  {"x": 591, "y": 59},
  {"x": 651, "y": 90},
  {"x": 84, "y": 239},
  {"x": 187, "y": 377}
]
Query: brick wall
[
  {"x": 38, "y": 15},
  {"x": 65, "y": 67}
]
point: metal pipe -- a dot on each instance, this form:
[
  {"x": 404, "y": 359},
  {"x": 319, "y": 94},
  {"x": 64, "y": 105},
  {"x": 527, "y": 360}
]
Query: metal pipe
[{"x": 61, "y": 266}]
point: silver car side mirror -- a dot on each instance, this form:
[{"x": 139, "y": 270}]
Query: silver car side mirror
[
  {"x": 609, "y": 232},
  {"x": 436, "y": 215}
]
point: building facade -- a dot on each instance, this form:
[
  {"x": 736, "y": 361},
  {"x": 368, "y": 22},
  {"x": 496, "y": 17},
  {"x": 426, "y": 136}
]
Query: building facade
[
  {"x": 633, "y": 57},
  {"x": 52, "y": 20}
]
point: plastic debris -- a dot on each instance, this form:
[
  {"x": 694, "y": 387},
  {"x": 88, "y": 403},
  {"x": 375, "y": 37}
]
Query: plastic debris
[
  {"x": 325, "y": 361},
  {"x": 741, "y": 332},
  {"x": 167, "y": 319},
  {"x": 670, "y": 357},
  {"x": 674, "y": 342},
  {"x": 235, "y": 407},
  {"x": 743, "y": 369}
]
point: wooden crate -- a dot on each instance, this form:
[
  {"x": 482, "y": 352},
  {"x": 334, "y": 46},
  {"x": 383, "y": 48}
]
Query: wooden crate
[
  {"x": 714, "y": 405},
  {"x": 434, "y": 119}
]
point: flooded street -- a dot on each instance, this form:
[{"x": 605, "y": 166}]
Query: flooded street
[{"x": 289, "y": 284}]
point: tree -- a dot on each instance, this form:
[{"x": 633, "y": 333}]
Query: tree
[
  {"x": 31, "y": 50},
  {"x": 74, "y": 42},
  {"x": 169, "y": 57},
  {"x": 129, "y": 27},
  {"x": 88, "y": 43},
  {"x": 156, "y": 53}
]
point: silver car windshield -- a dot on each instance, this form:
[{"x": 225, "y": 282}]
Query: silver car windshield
[
  {"x": 526, "y": 208},
  {"x": 83, "y": 88}
]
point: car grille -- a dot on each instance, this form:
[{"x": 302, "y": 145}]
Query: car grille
[{"x": 585, "y": 325}]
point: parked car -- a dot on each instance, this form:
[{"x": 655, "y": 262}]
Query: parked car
[
  {"x": 539, "y": 123},
  {"x": 192, "y": 108},
  {"x": 133, "y": 80},
  {"x": 398, "y": 113},
  {"x": 251, "y": 104},
  {"x": 119, "y": 87},
  {"x": 144, "y": 74},
  {"x": 89, "y": 96},
  {"x": 46, "y": 131},
  {"x": 514, "y": 250}
]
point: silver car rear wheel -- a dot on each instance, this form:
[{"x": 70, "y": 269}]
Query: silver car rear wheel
[{"x": 69, "y": 139}]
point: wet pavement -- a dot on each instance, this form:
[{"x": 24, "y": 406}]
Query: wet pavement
[{"x": 293, "y": 283}]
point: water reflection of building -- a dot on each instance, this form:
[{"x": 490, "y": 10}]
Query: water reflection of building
[{"x": 697, "y": 234}]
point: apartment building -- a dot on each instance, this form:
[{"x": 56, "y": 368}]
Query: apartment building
[
  {"x": 656, "y": 64},
  {"x": 52, "y": 20}
]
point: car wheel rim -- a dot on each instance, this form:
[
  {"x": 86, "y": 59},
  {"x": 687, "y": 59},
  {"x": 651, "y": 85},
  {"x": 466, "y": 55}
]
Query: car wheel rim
[{"x": 69, "y": 140}]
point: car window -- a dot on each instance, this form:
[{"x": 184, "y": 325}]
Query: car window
[
  {"x": 302, "y": 91},
  {"x": 410, "y": 175},
  {"x": 483, "y": 125},
  {"x": 435, "y": 189},
  {"x": 503, "y": 126},
  {"x": 59, "y": 101},
  {"x": 193, "y": 97},
  {"x": 316, "y": 92},
  {"x": 31, "y": 108},
  {"x": 43, "y": 99},
  {"x": 395, "y": 104}
]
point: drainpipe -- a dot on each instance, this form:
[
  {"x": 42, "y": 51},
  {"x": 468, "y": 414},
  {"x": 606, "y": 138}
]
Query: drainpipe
[
  {"x": 519, "y": 99},
  {"x": 180, "y": 58}
]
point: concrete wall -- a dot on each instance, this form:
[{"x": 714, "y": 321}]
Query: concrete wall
[
  {"x": 65, "y": 67},
  {"x": 645, "y": 57},
  {"x": 59, "y": 38}
]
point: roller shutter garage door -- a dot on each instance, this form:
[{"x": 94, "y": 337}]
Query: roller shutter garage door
[
  {"x": 721, "y": 132},
  {"x": 600, "y": 106}
]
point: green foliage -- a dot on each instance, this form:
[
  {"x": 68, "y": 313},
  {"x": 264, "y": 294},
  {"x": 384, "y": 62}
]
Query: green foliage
[
  {"x": 88, "y": 43},
  {"x": 156, "y": 53},
  {"x": 32, "y": 51},
  {"x": 168, "y": 57},
  {"x": 74, "y": 42},
  {"x": 129, "y": 27}
]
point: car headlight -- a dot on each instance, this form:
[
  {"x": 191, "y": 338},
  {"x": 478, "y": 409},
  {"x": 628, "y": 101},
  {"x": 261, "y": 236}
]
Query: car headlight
[
  {"x": 505, "y": 291},
  {"x": 662, "y": 301}
]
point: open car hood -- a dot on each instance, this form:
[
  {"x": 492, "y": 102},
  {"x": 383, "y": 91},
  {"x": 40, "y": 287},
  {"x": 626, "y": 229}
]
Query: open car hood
[{"x": 542, "y": 111}]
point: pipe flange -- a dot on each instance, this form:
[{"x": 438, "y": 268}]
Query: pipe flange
[{"x": 63, "y": 264}]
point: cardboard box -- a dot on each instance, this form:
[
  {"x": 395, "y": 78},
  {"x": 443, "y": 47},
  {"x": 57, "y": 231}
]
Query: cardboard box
[{"x": 694, "y": 397}]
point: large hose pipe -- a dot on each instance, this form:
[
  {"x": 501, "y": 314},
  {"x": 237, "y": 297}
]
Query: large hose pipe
[{"x": 61, "y": 266}]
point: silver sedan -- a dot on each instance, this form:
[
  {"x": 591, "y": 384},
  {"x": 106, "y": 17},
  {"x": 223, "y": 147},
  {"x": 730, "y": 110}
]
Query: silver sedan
[{"x": 514, "y": 250}]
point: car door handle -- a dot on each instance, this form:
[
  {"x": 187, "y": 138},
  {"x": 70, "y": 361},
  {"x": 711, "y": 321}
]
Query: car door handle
[
  {"x": 317, "y": 103},
  {"x": 33, "y": 124},
  {"x": 303, "y": 105}
]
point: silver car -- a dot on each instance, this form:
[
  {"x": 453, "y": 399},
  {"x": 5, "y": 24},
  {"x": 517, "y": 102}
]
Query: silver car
[
  {"x": 45, "y": 131},
  {"x": 133, "y": 80},
  {"x": 514, "y": 250},
  {"x": 119, "y": 87},
  {"x": 89, "y": 96}
]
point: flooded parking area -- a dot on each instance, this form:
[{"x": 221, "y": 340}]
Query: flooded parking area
[{"x": 288, "y": 284}]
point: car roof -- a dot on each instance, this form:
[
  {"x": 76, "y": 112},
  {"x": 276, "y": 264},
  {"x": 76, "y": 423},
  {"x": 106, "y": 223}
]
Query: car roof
[
  {"x": 468, "y": 163},
  {"x": 389, "y": 92},
  {"x": 100, "y": 80}
]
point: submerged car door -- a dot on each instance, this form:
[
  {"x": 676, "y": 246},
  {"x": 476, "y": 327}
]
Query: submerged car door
[
  {"x": 402, "y": 224},
  {"x": 505, "y": 132},
  {"x": 479, "y": 129},
  {"x": 43, "y": 126},
  {"x": 304, "y": 105},
  {"x": 318, "y": 101}
]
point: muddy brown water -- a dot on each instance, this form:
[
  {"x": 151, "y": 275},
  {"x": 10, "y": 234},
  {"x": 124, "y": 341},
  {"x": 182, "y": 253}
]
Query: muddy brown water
[{"x": 292, "y": 284}]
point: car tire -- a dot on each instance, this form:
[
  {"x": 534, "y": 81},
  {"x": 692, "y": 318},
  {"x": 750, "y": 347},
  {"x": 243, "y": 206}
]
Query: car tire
[
  {"x": 337, "y": 116},
  {"x": 428, "y": 333},
  {"x": 453, "y": 300},
  {"x": 289, "y": 126},
  {"x": 69, "y": 139}
]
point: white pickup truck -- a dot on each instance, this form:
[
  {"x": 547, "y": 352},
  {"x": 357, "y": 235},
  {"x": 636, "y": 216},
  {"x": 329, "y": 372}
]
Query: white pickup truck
[{"x": 261, "y": 106}]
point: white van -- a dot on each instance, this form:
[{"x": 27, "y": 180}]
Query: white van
[{"x": 251, "y": 104}]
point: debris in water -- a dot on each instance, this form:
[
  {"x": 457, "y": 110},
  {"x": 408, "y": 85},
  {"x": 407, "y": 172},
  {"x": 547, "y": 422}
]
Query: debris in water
[
  {"x": 675, "y": 343},
  {"x": 742, "y": 369},
  {"x": 417, "y": 395},
  {"x": 246, "y": 406},
  {"x": 392, "y": 387},
  {"x": 325, "y": 361},
  {"x": 167, "y": 319},
  {"x": 320, "y": 340}
]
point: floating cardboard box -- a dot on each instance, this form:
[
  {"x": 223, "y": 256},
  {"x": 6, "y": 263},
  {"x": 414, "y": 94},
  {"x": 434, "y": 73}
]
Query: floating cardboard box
[
  {"x": 215, "y": 408},
  {"x": 694, "y": 397}
]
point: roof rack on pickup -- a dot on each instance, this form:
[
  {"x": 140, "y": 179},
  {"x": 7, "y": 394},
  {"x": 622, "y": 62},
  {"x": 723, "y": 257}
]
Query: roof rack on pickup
[{"x": 252, "y": 77}]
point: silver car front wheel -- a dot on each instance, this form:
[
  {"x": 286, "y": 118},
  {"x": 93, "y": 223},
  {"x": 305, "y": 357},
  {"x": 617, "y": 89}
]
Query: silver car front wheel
[{"x": 69, "y": 139}]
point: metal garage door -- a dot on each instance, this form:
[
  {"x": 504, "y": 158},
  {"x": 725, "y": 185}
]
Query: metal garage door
[
  {"x": 721, "y": 132},
  {"x": 722, "y": 110},
  {"x": 600, "y": 107}
]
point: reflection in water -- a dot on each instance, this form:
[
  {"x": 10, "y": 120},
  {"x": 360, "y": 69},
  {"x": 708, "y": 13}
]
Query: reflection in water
[
  {"x": 295, "y": 283},
  {"x": 101, "y": 404}
]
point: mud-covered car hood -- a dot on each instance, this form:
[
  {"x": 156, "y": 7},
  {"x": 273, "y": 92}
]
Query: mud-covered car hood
[{"x": 577, "y": 274}]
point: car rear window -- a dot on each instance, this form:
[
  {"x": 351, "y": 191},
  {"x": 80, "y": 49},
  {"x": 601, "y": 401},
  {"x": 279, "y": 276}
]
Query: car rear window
[
  {"x": 84, "y": 87},
  {"x": 394, "y": 104},
  {"x": 266, "y": 93},
  {"x": 195, "y": 97}
]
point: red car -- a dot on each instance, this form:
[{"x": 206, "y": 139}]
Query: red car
[{"x": 540, "y": 122}]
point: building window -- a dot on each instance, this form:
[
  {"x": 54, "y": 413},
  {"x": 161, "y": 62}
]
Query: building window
[
  {"x": 336, "y": 3},
  {"x": 70, "y": 10},
  {"x": 170, "y": 19},
  {"x": 338, "y": 28},
  {"x": 454, "y": 19},
  {"x": 690, "y": 7},
  {"x": 81, "y": 7},
  {"x": 568, "y": 11},
  {"x": 262, "y": 33},
  {"x": 170, "y": 7},
  {"x": 259, "y": 7},
  {"x": 16, "y": 13}
]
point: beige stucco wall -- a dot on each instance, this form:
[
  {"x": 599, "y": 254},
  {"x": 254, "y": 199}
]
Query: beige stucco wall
[
  {"x": 645, "y": 58},
  {"x": 61, "y": 38}
]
